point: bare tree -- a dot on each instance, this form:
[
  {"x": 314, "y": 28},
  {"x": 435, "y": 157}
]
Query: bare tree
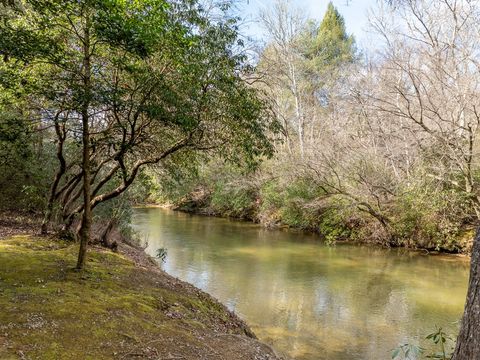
[
  {"x": 426, "y": 82},
  {"x": 282, "y": 59}
]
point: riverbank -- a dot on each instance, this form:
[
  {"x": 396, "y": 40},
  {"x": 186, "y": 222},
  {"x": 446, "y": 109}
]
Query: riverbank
[
  {"x": 362, "y": 231},
  {"x": 123, "y": 306}
]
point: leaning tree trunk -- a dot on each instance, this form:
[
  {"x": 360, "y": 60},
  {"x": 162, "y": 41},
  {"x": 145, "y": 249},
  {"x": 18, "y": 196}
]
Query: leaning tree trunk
[{"x": 468, "y": 341}]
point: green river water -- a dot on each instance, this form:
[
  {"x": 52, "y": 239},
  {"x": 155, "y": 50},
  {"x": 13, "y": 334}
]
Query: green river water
[{"x": 308, "y": 300}]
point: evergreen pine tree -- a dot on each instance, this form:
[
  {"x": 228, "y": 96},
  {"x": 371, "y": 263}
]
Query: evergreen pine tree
[
  {"x": 326, "y": 48},
  {"x": 332, "y": 46}
]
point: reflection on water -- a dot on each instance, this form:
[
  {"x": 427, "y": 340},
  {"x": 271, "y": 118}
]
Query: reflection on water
[{"x": 306, "y": 299}]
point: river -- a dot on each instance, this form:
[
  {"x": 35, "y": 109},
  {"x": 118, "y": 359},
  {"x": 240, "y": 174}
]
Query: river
[{"x": 309, "y": 300}]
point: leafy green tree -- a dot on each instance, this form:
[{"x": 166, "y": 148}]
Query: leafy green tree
[{"x": 125, "y": 85}]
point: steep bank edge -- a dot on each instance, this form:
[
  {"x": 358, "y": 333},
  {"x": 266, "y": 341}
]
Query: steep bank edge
[{"x": 122, "y": 307}]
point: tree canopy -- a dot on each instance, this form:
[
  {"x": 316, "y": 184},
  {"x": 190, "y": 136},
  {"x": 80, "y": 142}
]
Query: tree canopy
[{"x": 120, "y": 85}]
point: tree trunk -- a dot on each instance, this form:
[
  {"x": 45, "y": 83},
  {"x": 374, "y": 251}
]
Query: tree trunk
[
  {"x": 105, "y": 239},
  {"x": 58, "y": 175},
  {"x": 468, "y": 341},
  {"x": 87, "y": 210}
]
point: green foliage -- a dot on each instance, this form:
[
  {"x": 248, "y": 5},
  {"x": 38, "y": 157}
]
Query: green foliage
[
  {"x": 25, "y": 165},
  {"x": 443, "y": 348},
  {"x": 289, "y": 203},
  {"x": 430, "y": 216},
  {"x": 166, "y": 82},
  {"x": 332, "y": 46},
  {"x": 326, "y": 49},
  {"x": 302, "y": 204},
  {"x": 295, "y": 211},
  {"x": 233, "y": 200},
  {"x": 334, "y": 224},
  {"x": 25, "y": 160},
  {"x": 146, "y": 188},
  {"x": 441, "y": 339}
]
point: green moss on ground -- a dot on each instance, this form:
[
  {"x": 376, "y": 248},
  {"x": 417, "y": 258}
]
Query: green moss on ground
[{"x": 113, "y": 309}]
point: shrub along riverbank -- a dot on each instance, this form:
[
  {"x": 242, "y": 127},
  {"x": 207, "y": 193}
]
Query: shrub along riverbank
[
  {"x": 121, "y": 307},
  {"x": 421, "y": 217}
]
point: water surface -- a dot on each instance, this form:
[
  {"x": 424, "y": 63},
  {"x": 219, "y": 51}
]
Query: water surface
[{"x": 306, "y": 299}]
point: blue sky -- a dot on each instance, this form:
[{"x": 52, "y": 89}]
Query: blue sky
[{"x": 355, "y": 14}]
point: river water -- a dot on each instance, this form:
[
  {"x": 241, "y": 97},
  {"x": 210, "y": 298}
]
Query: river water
[{"x": 306, "y": 299}]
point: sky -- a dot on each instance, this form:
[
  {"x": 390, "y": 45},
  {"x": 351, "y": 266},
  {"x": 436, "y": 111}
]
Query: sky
[{"x": 354, "y": 12}]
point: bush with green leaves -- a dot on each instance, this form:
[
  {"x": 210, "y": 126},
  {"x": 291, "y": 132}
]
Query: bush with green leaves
[
  {"x": 291, "y": 203},
  {"x": 443, "y": 346},
  {"x": 234, "y": 199},
  {"x": 430, "y": 216}
]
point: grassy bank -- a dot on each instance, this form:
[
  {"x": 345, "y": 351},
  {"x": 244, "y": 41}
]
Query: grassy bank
[{"x": 121, "y": 307}]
